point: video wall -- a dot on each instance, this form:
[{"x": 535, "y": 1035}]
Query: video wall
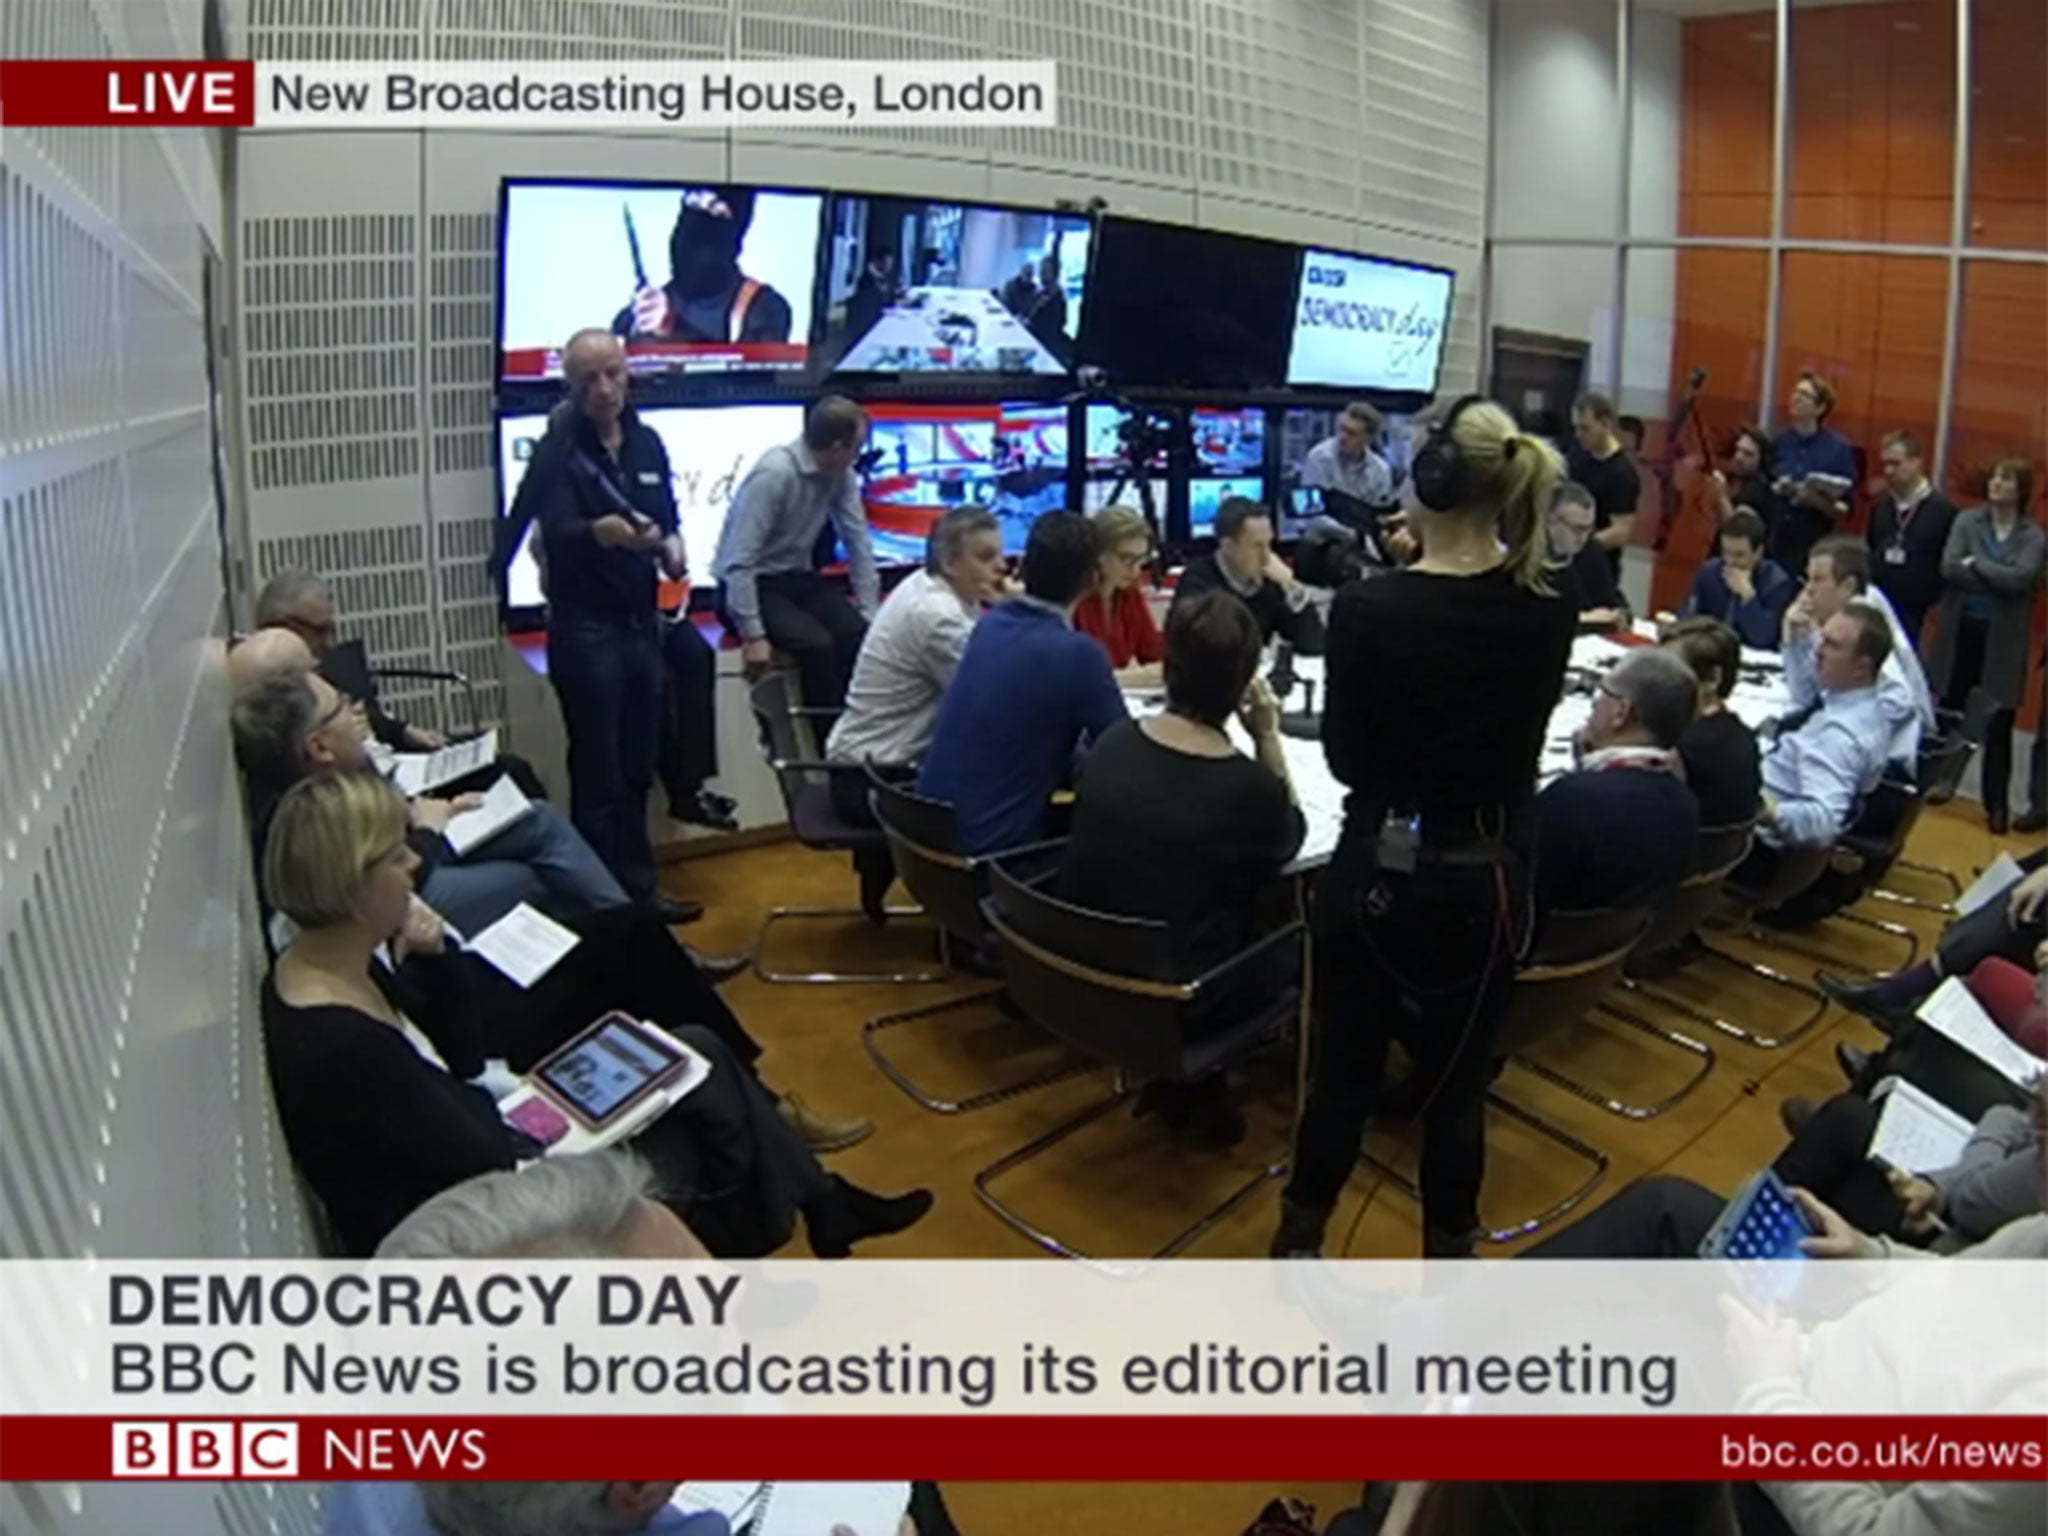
[{"x": 964, "y": 328}]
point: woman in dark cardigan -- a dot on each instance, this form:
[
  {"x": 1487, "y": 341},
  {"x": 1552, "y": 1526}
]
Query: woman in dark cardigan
[
  {"x": 1992, "y": 569},
  {"x": 374, "y": 1028}
]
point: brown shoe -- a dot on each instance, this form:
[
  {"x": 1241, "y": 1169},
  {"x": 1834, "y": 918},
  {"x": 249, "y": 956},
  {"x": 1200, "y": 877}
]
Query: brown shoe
[{"x": 820, "y": 1132}]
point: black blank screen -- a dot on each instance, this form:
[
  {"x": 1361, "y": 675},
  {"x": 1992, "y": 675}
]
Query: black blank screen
[{"x": 1171, "y": 307}]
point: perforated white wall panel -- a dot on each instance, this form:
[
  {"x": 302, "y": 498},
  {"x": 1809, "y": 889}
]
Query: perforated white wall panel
[
  {"x": 134, "y": 1113},
  {"x": 368, "y": 284}
]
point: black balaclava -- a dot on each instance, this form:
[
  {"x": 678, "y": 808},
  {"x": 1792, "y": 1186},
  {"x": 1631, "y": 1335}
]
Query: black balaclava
[{"x": 704, "y": 249}]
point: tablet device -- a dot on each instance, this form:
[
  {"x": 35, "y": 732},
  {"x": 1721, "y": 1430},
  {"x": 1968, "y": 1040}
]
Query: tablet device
[
  {"x": 1761, "y": 1222},
  {"x": 606, "y": 1070}
]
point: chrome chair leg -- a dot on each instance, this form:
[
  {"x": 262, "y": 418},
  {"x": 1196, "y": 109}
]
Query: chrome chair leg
[
  {"x": 1894, "y": 930},
  {"x": 835, "y": 978},
  {"x": 1591, "y": 1155},
  {"x": 1901, "y": 899},
  {"x": 1623, "y": 1107},
  {"x": 1934, "y": 871},
  {"x": 1762, "y": 972},
  {"x": 1120, "y": 1094},
  {"x": 973, "y": 1101}
]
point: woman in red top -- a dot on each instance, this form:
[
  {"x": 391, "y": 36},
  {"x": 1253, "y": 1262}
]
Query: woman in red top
[{"x": 1116, "y": 613}]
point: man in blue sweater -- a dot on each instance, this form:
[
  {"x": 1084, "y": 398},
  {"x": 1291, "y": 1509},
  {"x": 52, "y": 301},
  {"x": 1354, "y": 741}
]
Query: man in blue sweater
[
  {"x": 1029, "y": 690},
  {"x": 1741, "y": 588},
  {"x": 1619, "y": 830}
]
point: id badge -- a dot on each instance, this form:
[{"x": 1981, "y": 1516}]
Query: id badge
[
  {"x": 1399, "y": 842},
  {"x": 1895, "y": 555}
]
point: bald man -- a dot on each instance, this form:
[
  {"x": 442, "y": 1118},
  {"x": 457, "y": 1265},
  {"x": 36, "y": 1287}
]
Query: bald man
[
  {"x": 262, "y": 654},
  {"x": 599, "y": 487}
]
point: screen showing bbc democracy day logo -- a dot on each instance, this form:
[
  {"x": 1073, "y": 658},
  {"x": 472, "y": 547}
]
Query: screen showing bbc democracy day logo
[{"x": 1367, "y": 324}]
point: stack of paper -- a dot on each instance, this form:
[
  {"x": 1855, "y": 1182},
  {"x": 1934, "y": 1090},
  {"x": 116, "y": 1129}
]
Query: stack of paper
[
  {"x": 1999, "y": 876},
  {"x": 1953, "y": 1012},
  {"x": 418, "y": 772},
  {"x": 524, "y": 944},
  {"x": 503, "y": 804},
  {"x": 1916, "y": 1132}
]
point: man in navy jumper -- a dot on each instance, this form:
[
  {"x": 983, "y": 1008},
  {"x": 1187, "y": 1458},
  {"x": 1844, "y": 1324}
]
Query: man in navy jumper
[
  {"x": 1618, "y": 831},
  {"x": 1029, "y": 690}
]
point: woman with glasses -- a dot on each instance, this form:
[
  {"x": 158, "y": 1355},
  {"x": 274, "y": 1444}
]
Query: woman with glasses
[
  {"x": 1116, "y": 611},
  {"x": 377, "y": 1054}
]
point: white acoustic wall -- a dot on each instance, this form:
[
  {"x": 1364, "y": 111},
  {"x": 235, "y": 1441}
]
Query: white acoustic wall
[
  {"x": 134, "y": 1115},
  {"x": 368, "y": 259}
]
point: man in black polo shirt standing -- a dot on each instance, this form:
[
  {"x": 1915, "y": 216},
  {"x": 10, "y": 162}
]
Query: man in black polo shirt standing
[
  {"x": 1599, "y": 462},
  {"x": 599, "y": 486}
]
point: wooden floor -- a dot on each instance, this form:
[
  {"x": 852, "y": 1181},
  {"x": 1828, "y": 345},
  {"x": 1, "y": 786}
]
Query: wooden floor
[{"x": 1121, "y": 1188}]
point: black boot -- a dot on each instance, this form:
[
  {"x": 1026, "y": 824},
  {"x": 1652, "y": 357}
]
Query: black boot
[
  {"x": 1301, "y": 1231},
  {"x": 846, "y": 1214}
]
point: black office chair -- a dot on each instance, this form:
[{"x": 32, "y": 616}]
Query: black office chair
[
  {"x": 1795, "y": 870},
  {"x": 1577, "y": 957},
  {"x": 805, "y": 779},
  {"x": 1108, "y": 987},
  {"x": 1943, "y": 765},
  {"x": 924, "y": 840}
]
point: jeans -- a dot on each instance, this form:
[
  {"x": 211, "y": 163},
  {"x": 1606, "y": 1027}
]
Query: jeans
[
  {"x": 1994, "y": 775},
  {"x": 608, "y": 679},
  {"x": 575, "y": 878},
  {"x": 474, "y": 894},
  {"x": 1427, "y": 959},
  {"x": 688, "y": 753},
  {"x": 819, "y": 629}
]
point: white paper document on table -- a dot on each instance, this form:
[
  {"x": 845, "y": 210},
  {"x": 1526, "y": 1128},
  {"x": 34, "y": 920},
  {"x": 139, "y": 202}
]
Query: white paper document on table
[
  {"x": 1916, "y": 1132},
  {"x": 504, "y": 803},
  {"x": 525, "y": 944},
  {"x": 418, "y": 772},
  {"x": 1953, "y": 1012}
]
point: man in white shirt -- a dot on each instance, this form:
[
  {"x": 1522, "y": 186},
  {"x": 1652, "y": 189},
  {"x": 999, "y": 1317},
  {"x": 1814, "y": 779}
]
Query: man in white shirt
[
  {"x": 1837, "y": 575},
  {"x": 1344, "y": 461},
  {"x": 910, "y": 654}
]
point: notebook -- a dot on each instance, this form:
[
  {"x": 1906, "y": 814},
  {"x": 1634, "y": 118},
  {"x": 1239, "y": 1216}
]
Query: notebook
[
  {"x": 1916, "y": 1132},
  {"x": 524, "y": 944},
  {"x": 1954, "y": 1012},
  {"x": 418, "y": 772},
  {"x": 504, "y": 804},
  {"x": 2002, "y": 872}
]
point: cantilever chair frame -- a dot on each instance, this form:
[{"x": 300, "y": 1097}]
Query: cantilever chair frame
[{"x": 1122, "y": 1087}]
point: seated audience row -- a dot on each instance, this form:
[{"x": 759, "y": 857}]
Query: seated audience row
[{"x": 379, "y": 1029}]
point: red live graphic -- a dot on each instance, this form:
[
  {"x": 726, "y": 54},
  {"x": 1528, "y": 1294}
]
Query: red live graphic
[
  {"x": 598, "y": 1446},
  {"x": 115, "y": 93}
]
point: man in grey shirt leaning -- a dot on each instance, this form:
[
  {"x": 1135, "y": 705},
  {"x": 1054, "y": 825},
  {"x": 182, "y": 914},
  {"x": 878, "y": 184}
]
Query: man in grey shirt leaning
[
  {"x": 911, "y": 652},
  {"x": 771, "y": 591}
]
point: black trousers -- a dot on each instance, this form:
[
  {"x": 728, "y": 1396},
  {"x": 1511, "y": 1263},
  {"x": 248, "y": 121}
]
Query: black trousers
[
  {"x": 1995, "y": 763},
  {"x": 1427, "y": 959},
  {"x": 1662, "y": 1217},
  {"x": 819, "y": 629},
  {"x": 1831, "y": 1157},
  {"x": 608, "y": 679},
  {"x": 687, "y": 748}
]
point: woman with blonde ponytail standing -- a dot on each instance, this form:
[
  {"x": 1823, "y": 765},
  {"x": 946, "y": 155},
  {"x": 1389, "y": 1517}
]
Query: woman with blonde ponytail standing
[{"x": 1442, "y": 678}]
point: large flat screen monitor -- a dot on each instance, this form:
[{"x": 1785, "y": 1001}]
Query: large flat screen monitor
[
  {"x": 1178, "y": 308},
  {"x": 710, "y": 449},
  {"x": 1361, "y": 322},
  {"x": 1226, "y": 457},
  {"x": 929, "y": 460},
  {"x": 696, "y": 277},
  {"x": 925, "y": 287}
]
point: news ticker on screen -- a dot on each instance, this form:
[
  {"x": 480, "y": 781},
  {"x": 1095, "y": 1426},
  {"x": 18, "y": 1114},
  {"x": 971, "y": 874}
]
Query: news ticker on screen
[
  {"x": 982, "y": 1369},
  {"x": 667, "y": 94}
]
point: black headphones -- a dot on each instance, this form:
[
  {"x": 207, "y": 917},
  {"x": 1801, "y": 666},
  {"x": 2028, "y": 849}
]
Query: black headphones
[{"x": 1439, "y": 472}]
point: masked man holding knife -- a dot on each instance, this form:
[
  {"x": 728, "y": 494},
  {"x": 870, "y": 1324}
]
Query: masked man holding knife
[{"x": 599, "y": 486}]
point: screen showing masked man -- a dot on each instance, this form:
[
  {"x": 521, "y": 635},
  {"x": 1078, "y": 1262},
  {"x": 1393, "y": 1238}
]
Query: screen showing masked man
[{"x": 708, "y": 297}]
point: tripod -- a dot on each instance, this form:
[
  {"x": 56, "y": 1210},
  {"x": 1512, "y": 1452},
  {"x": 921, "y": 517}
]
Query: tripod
[{"x": 1130, "y": 472}]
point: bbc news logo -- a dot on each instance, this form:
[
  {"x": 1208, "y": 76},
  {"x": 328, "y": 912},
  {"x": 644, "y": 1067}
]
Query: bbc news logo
[
  {"x": 186, "y": 1448},
  {"x": 1326, "y": 277}
]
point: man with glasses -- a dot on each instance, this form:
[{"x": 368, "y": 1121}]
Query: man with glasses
[
  {"x": 1618, "y": 831},
  {"x": 1588, "y": 585},
  {"x": 290, "y": 725}
]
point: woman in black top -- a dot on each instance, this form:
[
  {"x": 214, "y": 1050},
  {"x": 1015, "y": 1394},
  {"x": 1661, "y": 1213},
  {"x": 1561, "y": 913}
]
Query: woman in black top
[
  {"x": 1441, "y": 681},
  {"x": 371, "y": 1067},
  {"x": 1718, "y": 750}
]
